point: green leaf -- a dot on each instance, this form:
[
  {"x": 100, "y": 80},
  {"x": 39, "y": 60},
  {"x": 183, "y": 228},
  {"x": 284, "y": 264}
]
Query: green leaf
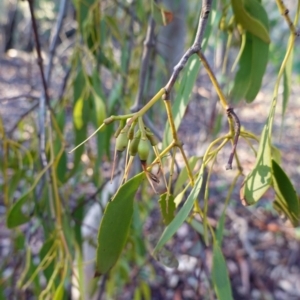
[
  {"x": 260, "y": 55},
  {"x": 253, "y": 17},
  {"x": 220, "y": 228},
  {"x": 167, "y": 208},
  {"x": 115, "y": 225},
  {"x": 183, "y": 176},
  {"x": 77, "y": 113},
  {"x": 48, "y": 245},
  {"x": 259, "y": 179},
  {"x": 100, "y": 109},
  {"x": 59, "y": 293},
  {"x": 146, "y": 291},
  {"x": 16, "y": 216},
  {"x": 114, "y": 27},
  {"x": 242, "y": 77},
  {"x": 14, "y": 181},
  {"x": 252, "y": 67},
  {"x": 182, "y": 214},
  {"x": 286, "y": 197},
  {"x": 220, "y": 276}
]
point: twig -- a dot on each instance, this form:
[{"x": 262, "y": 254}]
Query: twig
[
  {"x": 285, "y": 12},
  {"x": 18, "y": 97},
  {"x": 230, "y": 113},
  {"x": 38, "y": 50},
  {"x": 52, "y": 48},
  {"x": 149, "y": 42},
  {"x": 129, "y": 48},
  {"x": 102, "y": 287},
  {"x": 237, "y": 129},
  {"x": 195, "y": 48},
  {"x": 44, "y": 100}
]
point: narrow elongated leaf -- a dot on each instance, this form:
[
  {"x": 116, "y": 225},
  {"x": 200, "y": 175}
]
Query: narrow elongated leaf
[
  {"x": 59, "y": 293},
  {"x": 243, "y": 75},
  {"x": 16, "y": 216},
  {"x": 167, "y": 207},
  {"x": 286, "y": 197},
  {"x": 220, "y": 276},
  {"x": 259, "y": 179},
  {"x": 115, "y": 225},
  {"x": 182, "y": 214},
  {"x": 252, "y": 67},
  {"x": 100, "y": 109},
  {"x": 251, "y": 15},
  {"x": 77, "y": 113},
  {"x": 220, "y": 228},
  {"x": 260, "y": 55}
]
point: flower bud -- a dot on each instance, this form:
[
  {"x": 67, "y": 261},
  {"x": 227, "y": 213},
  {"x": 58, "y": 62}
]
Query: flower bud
[
  {"x": 133, "y": 148},
  {"x": 122, "y": 140},
  {"x": 143, "y": 149}
]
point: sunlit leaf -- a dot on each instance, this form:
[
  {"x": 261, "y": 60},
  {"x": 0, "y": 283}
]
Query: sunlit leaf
[
  {"x": 115, "y": 225},
  {"x": 77, "y": 113},
  {"x": 259, "y": 179}
]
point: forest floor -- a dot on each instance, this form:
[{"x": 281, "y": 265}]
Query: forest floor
[{"x": 262, "y": 251}]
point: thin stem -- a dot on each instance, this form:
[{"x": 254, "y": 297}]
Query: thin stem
[
  {"x": 232, "y": 114},
  {"x": 38, "y": 50},
  {"x": 285, "y": 12},
  {"x": 147, "y": 106},
  {"x": 214, "y": 81},
  {"x": 205, "y": 10},
  {"x": 175, "y": 138},
  {"x": 148, "y": 44},
  {"x": 52, "y": 48},
  {"x": 171, "y": 119}
]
